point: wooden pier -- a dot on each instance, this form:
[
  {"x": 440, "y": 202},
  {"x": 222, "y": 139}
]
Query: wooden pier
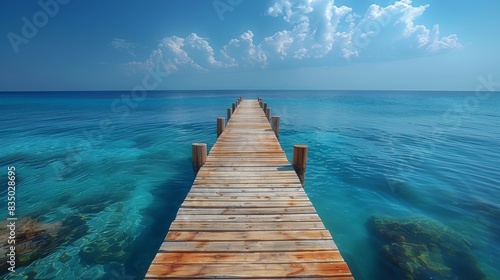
[{"x": 247, "y": 215}]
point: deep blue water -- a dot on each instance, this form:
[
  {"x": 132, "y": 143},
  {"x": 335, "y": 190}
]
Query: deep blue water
[{"x": 101, "y": 177}]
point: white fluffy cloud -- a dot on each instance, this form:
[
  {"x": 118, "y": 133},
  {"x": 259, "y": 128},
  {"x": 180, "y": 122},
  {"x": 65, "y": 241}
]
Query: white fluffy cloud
[
  {"x": 243, "y": 52},
  {"x": 314, "y": 26},
  {"x": 190, "y": 52},
  {"x": 391, "y": 30},
  {"x": 318, "y": 30}
]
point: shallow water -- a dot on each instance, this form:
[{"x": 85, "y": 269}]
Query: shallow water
[{"x": 402, "y": 154}]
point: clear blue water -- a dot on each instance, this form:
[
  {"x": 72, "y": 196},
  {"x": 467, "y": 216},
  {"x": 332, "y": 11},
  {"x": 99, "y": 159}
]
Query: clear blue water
[{"x": 431, "y": 155}]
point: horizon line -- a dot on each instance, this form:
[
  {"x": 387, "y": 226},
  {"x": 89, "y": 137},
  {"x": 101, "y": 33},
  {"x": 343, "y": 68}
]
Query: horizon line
[{"x": 244, "y": 90}]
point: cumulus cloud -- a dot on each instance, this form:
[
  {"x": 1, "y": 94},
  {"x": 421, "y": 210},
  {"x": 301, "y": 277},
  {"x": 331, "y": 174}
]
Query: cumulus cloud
[
  {"x": 318, "y": 30},
  {"x": 386, "y": 31},
  {"x": 315, "y": 24},
  {"x": 243, "y": 52},
  {"x": 190, "y": 52}
]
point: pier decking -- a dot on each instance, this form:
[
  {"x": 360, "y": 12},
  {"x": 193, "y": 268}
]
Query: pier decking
[{"x": 247, "y": 215}]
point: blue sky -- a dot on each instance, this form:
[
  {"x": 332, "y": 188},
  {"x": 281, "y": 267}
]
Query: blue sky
[{"x": 244, "y": 44}]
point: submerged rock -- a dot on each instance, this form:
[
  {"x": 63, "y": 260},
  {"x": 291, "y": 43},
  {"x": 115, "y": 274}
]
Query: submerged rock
[
  {"x": 33, "y": 240},
  {"x": 424, "y": 249},
  {"x": 36, "y": 240}
]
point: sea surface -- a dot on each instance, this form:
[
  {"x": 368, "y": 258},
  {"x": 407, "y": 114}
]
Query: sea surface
[{"x": 408, "y": 183}]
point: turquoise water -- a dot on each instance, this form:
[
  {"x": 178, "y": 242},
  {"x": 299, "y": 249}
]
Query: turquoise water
[{"x": 101, "y": 199}]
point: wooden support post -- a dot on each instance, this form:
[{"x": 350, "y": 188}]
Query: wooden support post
[
  {"x": 229, "y": 113},
  {"x": 260, "y": 103},
  {"x": 275, "y": 124},
  {"x": 265, "y": 107},
  {"x": 234, "y": 107},
  {"x": 241, "y": 98},
  {"x": 268, "y": 114},
  {"x": 199, "y": 152},
  {"x": 237, "y": 102},
  {"x": 300, "y": 161},
  {"x": 221, "y": 123}
]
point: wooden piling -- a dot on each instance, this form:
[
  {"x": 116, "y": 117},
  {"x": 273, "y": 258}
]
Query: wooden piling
[
  {"x": 268, "y": 114},
  {"x": 265, "y": 107},
  {"x": 300, "y": 161},
  {"x": 199, "y": 153},
  {"x": 229, "y": 113},
  {"x": 275, "y": 125},
  {"x": 260, "y": 103},
  {"x": 234, "y": 107},
  {"x": 221, "y": 123}
]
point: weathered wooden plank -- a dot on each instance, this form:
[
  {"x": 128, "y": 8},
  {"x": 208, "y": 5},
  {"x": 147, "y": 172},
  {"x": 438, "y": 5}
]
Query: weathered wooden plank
[
  {"x": 254, "y": 155},
  {"x": 257, "y": 193},
  {"x": 246, "y": 181},
  {"x": 248, "y": 186},
  {"x": 246, "y": 170},
  {"x": 247, "y": 135},
  {"x": 239, "y": 145},
  {"x": 257, "y": 198},
  {"x": 247, "y": 211},
  {"x": 240, "y": 131},
  {"x": 267, "y": 194},
  {"x": 244, "y": 164},
  {"x": 247, "y": 235},
  {"x": 249, "y": 246},
  {"x": 258, "y": 169},
  {"x": 248, "y": 257},
  {"x": 278, "y": 191},
  {"x": 239, "y": 159},
  {"x": 244, "y": 204},
  {"x": 241, "y": 171},
  {"x": 248, "y": 153},
  {"x": 249, "y": 218},
  {"x": 248, "y": 270},
  {"x": 248, "y": 147},
  {"x": 260, "y": 278},
  {"x": 208, "y": 226},
  {"x": 216, "y": 176}
]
